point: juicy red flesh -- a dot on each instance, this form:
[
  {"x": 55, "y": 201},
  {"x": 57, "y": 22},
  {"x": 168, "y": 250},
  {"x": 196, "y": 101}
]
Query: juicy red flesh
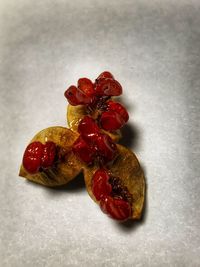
[
  {"x": 83, "y": 151},
  {"x": 105, "y": 147},
  {"x": 77, "y": 97},
  {"x": 106, "y": 74},
  {"x": 86, "y": 86},
  {"x": 32, "y": 157},
  {"x": 113, "y": 196},
  {"x": 116, "y": 208},
  {"x": 88, "y": 129},
  {"x": 111, "y": 121},
  {"x": 100, "y": 148},
  {"x": 100, "y": 184},
  {"x": 119, "y": 108},
  {"x": 95, "y": 147},
  {"x": 48, "y": 155},
  {"x": 38, "y": 156},
  {"x": 71, "y": 95},
  {"x": 108, "y": 87}
]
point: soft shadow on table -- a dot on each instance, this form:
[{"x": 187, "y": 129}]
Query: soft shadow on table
[
  {"x": 75, "y": 186},
  {"x": 130, "y": 136}
]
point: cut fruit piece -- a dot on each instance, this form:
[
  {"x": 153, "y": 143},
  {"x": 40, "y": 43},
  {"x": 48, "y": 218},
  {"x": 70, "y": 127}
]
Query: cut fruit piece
[
  {"x": 127, "y": 168},
  {"x": 76, "y": 113},
  {"x": 67, "y": 165}
]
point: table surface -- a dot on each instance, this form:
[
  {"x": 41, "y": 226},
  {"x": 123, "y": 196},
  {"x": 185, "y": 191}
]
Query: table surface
[{"x": 153, "y": 49}]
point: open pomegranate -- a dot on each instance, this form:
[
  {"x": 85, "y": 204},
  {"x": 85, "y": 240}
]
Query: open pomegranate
[{"x": 112, "y": 173}]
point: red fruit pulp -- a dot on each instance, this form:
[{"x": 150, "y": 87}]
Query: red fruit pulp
[
  {"x": 105, "y": 147},
  {"x": 71, "y": 95},
  {"x": 119, "y": 108},
  {"x": 105, "y": 74},
  {"x": 111, "y": 121},
  {"x": 82, "y": 98},
  {"x": 83, "y": 151},
  {"x": 108, "y": 87},
  {"x": 48, "y": 155},
  {"x": 88, "y": 129},
  {"x": 100, "y": 184},
  {"x": 32, "y": 157},
  {"x": 116, "y": 208},
  {"x": 77, "y": 97},
  {"x": 86, "y": 86}
]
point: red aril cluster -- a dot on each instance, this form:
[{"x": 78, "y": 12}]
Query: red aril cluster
[
  {"x": 92, "y": 145},
  {"x": 83, "y": 151},
  {"x": 117, "y": 207},
  {"x": 95, "y": 147},
  {"x": 96, "y": 96},
  {"x": 88, "y": 129},
  {"x": 100, "y": 184},
  {"x": 114, "y": 117},
  {"x": 76, "y": 96},
  {"x": 89, "y": 93},
  {"x": 38, "y": 156}
]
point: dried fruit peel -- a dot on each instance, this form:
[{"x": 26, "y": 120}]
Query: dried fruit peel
[
  {"x": 63, "y": 172},
  {"x": 76, "y": 113},
  {"x": 127, "y": 168}
]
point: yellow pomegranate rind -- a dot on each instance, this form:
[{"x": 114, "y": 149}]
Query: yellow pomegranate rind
[
  {"x": 76, "y": 113},
  {"x": 126, "y": 166},
  {"x": 62, "y": 172}
]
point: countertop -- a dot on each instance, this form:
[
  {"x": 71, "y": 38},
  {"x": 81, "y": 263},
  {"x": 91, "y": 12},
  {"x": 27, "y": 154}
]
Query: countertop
[{"x": 153, "y": 49}]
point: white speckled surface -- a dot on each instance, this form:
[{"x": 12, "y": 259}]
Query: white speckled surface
[{"x": 153, "y": 49}]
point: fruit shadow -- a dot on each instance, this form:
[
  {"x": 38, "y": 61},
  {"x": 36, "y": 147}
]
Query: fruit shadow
[
  {"x": 132, "y": 225},
  {"x": 130, "y": 136},
  {"x": 74, "y": 186}
]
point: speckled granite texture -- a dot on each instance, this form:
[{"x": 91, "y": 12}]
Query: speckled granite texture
[{"x": 153, "y": 49}]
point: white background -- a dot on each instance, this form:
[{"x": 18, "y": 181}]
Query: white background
[{"x": 153, "y": 49}]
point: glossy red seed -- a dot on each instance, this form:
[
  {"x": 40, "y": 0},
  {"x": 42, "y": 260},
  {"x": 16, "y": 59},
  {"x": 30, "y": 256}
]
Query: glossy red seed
[
  {"x": 105, "y": 147},
  {"x": 83, "y": 151},
  {"x": 77, "y": 97},
  {"x": 71, "y": 95},
  {"x": 105, "y": 74},
  {"x": 108, "y": 87},
  {"x": 100, "y": 184},
  {"x": 82, "y": 98},
  {"x": 48, "y": 155},
  {"x": 119, "y": 108},
  {"x": 32, "y": 157},
  {"x": 117, "y": 209},
  {"x": 88, "y": 128},
  {"x": 111, "y": 121},
  {"x": 86, "y": 86}
]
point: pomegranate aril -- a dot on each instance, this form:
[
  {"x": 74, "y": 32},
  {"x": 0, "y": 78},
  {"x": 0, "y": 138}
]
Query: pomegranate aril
[
  {"x": 83, "y": 98},
  {"x": 105, "y": 74},
  {"x": 76, "y": 97},
  {"x": 86, "y": 86},
  {"x": 105, "y": 147},
  {"x": 111, "y": 121},
  {"x": 71, "y": 95},
  {"x": 83, "y": 151},
  {"x": 119, "y": 108},
  {"x": 100, "y": 184},
  {"x": 88, "y": 128},
  {"x": 116, "y": 208},
  {"x": 48, "y": 155},
  {"x": 108, "y": 87},
  {"x": 32, "y": 157}
]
